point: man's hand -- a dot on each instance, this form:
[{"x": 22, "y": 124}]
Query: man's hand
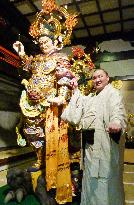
[
  {"x": 114, "y": 127},
  {"x": 74, "y": 83}
]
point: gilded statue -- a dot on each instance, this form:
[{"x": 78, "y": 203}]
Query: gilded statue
[{"x": 45, "y": 96}]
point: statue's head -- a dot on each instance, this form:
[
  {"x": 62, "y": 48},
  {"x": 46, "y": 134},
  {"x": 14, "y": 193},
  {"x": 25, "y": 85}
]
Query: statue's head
[{"x": 53, "y": 22}]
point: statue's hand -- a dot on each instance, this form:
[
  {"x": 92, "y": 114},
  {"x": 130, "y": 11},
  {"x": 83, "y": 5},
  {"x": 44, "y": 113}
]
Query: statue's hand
[
  {"x": 19, "y": 48},
  {"x": 25, "y": 83}
]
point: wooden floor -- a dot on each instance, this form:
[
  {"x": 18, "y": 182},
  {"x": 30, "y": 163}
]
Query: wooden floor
[{"x": 129, "y": 176}]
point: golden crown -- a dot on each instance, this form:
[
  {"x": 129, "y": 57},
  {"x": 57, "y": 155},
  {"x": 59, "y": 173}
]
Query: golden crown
[{"x": 54, "y": 21}]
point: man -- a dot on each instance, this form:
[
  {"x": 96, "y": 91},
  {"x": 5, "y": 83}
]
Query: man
[{"x": 103, "y": 114}]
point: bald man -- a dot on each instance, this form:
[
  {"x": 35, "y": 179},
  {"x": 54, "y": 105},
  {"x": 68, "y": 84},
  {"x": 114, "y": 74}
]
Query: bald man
[{"x": 102, "y": 115}]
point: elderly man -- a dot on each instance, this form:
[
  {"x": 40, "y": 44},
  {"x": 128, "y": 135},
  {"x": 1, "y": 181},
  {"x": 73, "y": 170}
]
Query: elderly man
[{"x": 102, "y": 115}]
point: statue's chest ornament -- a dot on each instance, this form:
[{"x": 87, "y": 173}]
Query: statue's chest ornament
[{"x": 44, "y": 67}]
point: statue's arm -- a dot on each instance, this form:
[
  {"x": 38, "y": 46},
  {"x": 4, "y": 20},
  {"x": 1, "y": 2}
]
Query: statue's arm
[{"x": 26, "y": 60}]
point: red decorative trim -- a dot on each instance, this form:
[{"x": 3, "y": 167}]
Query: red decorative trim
[{"x": 9, "y": 57}]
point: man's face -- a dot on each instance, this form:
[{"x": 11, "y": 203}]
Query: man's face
[
  {"x": 46, "y": 44},
  {"x": 100, "y": 80}
]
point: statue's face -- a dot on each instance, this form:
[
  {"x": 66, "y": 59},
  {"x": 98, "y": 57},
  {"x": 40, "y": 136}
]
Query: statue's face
[{"x": 46, "y": 44}]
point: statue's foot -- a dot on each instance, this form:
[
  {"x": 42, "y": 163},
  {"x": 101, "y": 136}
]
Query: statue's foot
[
  {"x": 44, "y": 197},
  {"x": 35, "y": 167}
]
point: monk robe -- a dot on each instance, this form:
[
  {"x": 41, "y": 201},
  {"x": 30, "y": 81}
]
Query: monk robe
[{"x": 102, "y": 182}]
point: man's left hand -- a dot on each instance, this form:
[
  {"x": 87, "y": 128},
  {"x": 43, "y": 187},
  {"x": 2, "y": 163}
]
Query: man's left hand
[{"x": 114, "y": 127}]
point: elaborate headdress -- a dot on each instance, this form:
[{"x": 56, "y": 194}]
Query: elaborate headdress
[{"x": 53, "y": 21}]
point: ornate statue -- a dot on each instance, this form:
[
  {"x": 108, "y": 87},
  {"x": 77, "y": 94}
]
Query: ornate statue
[{"x": 45, "y": 95}]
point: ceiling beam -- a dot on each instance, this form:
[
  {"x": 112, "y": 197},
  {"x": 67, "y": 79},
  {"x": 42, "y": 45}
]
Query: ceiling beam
[
  {"x": 121, "y": 16},
  {"x": 101, "y": 15},
  {"x": 81, "y": 16},
  {"x": 107, "y": 23},
  {"x": 109, "y": 10},
  {"x": 129, "y": 36}
]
